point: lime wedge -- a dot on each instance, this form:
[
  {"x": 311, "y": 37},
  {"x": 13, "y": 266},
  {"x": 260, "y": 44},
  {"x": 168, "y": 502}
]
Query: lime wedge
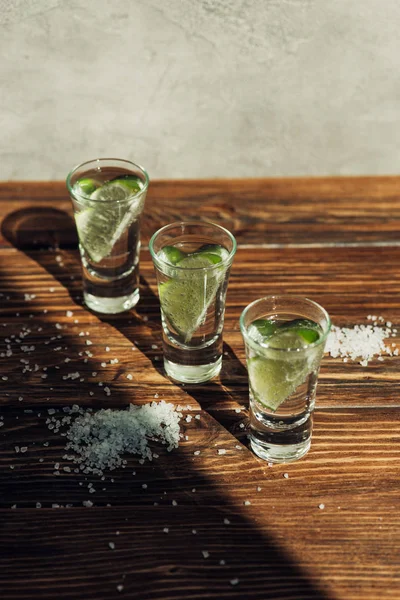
[
  {"x": 210, "y": 256},
  {"x": 117, "y": 190},
  {"x": 214, "y": 249},
  {"x": 134, "y": 183},
  {"x": 100, "y": 224},
  {"x": 171, "y": 255},
  {"x": 305, "y": 328},
  {"x": 265, "y": 327},
  {"x": 272, "y": 381},
  {"x": 85, "y": 186},
  {"x": 186, "y": 297}
]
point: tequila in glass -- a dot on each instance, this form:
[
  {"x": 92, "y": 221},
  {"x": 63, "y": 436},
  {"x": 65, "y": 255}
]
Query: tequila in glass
[
  {"x": 192, "y": 262},
  {"x": 284, "y": 338},
  {"x": 108, "y": 198}
]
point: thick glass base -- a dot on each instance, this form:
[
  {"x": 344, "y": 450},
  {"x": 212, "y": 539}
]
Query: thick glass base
[
  {"x": 278, "y": 453},
  {"x": 192, "y": 373},
  {"x": 111, "y": 306}
]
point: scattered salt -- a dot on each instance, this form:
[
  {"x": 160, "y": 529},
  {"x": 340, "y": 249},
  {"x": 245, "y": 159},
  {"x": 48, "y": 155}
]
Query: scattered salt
[
  {"x": 97, "y": 441},
  {"x": 361, "y": 342}
]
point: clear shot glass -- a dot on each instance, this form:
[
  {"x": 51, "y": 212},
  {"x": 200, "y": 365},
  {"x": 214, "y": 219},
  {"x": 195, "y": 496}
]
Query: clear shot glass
[
  {"x": 284, "y": 338},
  {"x": 192, "y": 261},
  {"x": 108, "y": 197}
]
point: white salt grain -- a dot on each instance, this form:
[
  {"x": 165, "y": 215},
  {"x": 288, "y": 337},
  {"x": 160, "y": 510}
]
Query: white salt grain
[
  {"x": 98, "y": 440},
  {"x": 234, "y": 581},
  {"x": 205, "y": 553},
  {"x": 359, "y": 343}
]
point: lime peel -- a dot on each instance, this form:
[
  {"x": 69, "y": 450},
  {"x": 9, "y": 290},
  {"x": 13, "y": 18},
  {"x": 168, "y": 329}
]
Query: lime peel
[{"x": 100, "y": 224}]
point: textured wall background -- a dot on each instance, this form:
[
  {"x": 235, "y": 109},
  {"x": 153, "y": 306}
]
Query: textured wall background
[{"x": 200, "y": 88}]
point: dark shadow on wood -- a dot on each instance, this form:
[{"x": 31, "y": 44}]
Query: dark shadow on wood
[{"x": 42, "y": 547}]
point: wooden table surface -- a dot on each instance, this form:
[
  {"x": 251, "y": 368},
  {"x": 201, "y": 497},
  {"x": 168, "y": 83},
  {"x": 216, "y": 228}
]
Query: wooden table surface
[{"x": 334, "y": 240}]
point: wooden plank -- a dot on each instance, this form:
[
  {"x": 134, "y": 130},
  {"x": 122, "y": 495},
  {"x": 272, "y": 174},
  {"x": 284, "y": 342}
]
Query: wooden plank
[
  {"x": 258, "y": 211},
  {"x": 354, "y": 456},
  {"x": 281, "y": 545},
  {"x": 351, "y": 283},
  {"x": 65, "y": 553}
]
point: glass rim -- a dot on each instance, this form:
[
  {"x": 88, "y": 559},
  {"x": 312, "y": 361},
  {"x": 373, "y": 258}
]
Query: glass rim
[
  {"x": 157, "y": 260},
  {"x": 291, "y": 297},
  {"x": 84, "y": 198}
]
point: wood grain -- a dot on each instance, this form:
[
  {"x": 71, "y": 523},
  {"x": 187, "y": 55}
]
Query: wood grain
[
  {"x": 351, "y": 283},
  {"x": 326, "y": 527},
  {"x": 301, "y": 211}
]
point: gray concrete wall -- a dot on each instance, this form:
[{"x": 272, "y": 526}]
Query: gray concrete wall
[{"x": 200, "y": 88}]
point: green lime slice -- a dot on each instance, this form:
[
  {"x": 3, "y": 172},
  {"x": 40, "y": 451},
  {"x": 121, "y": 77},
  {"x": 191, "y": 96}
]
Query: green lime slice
[
  {"x": 117, "y": 190},
  {"x": 86, "y": 186},
  {"x": 210, "y": 256},
  {"x": 214, "y": 249},
  {"x": 101, "y": 224},
  {"x": 265, "y": 327},
  {"x": 134, "y": 183},
  {"x": 307, "y": 330},
  {"x": 171, "y": 255},
  {"x": 186, "y": 297},
  {"x": 274, "y": 380}
]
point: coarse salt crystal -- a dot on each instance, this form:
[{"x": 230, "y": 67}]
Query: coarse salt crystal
[{"x": 359, "y": 343}]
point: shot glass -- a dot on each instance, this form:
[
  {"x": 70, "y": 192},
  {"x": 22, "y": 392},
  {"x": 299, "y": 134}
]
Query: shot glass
[
  {"x": 192, "y": 261},
  {"x": 284, "y": 338},
  {"x": 108, "y": 196}
]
